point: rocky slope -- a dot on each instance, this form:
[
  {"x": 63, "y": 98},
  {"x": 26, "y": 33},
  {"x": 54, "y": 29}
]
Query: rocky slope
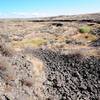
[{"x": 48, "y": 75}]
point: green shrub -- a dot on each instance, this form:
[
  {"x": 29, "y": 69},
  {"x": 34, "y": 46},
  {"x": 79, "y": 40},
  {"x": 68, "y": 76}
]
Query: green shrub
[{"x": 84, "y": 29}]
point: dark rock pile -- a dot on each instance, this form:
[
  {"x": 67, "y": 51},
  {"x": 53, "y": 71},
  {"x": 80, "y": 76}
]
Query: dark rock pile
[
  {"x": 95, "y": 43},
  {"x": 96, "y": 31},
  {"x": 71, "y": 77},
  {"x": 74, "y": 42},
  {"x": 57, "y": 24}
]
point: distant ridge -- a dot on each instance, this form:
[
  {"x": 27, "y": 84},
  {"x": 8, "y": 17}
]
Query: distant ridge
[{"x": 82, "y": 17}]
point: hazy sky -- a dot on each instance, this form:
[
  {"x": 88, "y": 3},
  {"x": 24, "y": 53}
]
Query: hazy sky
[{"x": 38, "y": 8}]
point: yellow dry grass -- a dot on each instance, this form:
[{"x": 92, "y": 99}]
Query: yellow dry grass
[{"x": 32, "y": 42}]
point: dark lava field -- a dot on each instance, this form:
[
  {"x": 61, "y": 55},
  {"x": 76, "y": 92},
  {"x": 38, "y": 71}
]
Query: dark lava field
[{"x": 51, "y": 58}]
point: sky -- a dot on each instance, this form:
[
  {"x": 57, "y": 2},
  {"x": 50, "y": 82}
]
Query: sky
[{"x": 42, "y": 8}]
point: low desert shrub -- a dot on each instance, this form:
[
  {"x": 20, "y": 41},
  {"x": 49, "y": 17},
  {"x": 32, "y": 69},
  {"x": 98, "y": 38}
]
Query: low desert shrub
[
  {"x": 84, "y": 29},
  {"x": 5, "y": 49}
]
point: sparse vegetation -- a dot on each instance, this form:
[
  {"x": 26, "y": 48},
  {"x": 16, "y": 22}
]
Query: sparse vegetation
[{"x": 53, "y": 60}]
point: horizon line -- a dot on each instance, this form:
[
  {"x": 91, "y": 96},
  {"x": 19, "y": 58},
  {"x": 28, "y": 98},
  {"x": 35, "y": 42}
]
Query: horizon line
[{"x": 34, "y": 17}]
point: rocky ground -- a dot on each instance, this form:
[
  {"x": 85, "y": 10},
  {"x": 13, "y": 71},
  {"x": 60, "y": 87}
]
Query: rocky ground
[{"x": 50, "y": 59}]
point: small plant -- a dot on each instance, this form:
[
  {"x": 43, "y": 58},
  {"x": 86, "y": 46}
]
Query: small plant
[{"x": 84, "y": 29}]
